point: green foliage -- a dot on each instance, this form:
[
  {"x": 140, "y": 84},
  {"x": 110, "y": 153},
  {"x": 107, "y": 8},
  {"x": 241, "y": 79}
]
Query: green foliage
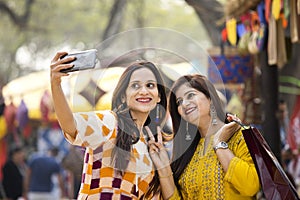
[{"x": 57, "y": 24}]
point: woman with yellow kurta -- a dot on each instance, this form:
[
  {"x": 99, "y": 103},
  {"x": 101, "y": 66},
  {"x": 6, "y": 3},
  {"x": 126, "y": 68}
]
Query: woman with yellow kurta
[{"x": 210, "y": 158}]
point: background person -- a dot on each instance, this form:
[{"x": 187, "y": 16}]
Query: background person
[
  {"x": 41, "y": 169},
  {"x": 13, "y": 174}
]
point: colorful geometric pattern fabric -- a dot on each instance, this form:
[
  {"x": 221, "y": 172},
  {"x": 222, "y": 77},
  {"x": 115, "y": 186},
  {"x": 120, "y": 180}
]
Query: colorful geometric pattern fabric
[{"x": 96, "y": 131}]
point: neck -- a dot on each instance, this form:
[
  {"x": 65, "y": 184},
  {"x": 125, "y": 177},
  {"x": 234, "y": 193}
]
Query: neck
[
  {"x": 139, "y": 119},
  {"x": 208, "y": 129}
]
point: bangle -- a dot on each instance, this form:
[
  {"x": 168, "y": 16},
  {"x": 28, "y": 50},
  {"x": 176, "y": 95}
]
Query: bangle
[{"x": 166, "y": 176}]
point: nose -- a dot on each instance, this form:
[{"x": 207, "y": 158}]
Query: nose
[
  {"x": 143, "y": 90},
  {"x": 185, "y": 102}
]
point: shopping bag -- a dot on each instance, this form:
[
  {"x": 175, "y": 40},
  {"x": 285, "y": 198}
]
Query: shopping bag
[{"x": 274, "y": 181}]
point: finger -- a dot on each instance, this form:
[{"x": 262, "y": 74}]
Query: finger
[
  {"x": 160, "y": 146},
  {"x": 151, "y": 142},
  {"x": 58, "y": 55},
  {"x": 149, "y": 133},
  {"x": 159, "y": 135},
  {"x": 63, "y": 66},
  {"x": 232, "y": 117},
  {"x": 153, "y": 148}
]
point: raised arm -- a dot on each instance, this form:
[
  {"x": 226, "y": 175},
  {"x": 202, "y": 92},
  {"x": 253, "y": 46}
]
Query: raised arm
[{"x": 61, "y": 106}]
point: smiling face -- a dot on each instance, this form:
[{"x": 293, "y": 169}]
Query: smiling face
[
  {"x": 193, "y": 105},
  {"x": 142, "y": 92}
]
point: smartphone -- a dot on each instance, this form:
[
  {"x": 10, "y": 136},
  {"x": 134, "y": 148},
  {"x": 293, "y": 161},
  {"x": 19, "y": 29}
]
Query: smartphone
[{"x": 83, "y": 60}]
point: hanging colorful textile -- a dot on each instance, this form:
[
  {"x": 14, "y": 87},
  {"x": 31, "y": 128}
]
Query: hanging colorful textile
[
  {"x": 46, "y": 106},
  {"x": 232, "y": 68},
  {"x": 10, "y": 116},
  {"x": 231, "y": 31},
  {"x": 22, "y": 115}
]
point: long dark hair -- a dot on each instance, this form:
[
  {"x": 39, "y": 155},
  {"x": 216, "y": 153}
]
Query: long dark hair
[
  {"x": 127, "y": 132},
  {"x": 184, "y": 150}
]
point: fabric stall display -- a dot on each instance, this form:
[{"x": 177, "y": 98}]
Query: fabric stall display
[
  {"x": 233, "y": 68},
  {"x": 248, "y": 32},
  {"x": 263, "y": 27}
]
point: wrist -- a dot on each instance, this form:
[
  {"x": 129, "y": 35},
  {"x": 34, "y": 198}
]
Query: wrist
[
  {"x": 165, "y": 176},
  {"x": 220, "y": 145},
  {"x": 165, "y": 172}
]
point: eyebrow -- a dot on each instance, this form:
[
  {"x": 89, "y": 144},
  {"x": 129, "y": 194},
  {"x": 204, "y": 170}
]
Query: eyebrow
[
  {"x": 138, "y": 81},
  {"x": 191, "y": 90}
]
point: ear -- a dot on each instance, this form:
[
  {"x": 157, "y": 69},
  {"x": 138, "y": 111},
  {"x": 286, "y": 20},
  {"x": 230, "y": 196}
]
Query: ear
[{"x": 158, "y": 100}]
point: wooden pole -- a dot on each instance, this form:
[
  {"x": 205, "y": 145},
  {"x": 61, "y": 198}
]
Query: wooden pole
[{"x": 270, "y": 122}]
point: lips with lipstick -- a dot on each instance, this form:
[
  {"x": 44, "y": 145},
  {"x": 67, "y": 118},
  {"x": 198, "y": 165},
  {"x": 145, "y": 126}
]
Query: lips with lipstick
[
  {"x": 144, "y": 100},
  {"x": 189, "y": 110}
]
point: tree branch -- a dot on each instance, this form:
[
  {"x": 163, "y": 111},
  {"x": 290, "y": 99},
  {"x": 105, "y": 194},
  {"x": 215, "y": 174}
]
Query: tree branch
[
  {"x": 209, "y": 12},
  {"x": 19, "y": 20}
]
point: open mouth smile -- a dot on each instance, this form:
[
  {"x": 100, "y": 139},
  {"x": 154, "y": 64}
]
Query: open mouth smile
[
  {"x": 143, "y": 100},
  {"x": 189, "y": 110}
]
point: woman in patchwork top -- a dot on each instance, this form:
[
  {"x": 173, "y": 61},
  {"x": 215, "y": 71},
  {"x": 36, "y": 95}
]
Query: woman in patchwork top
[
  {"x": 210, "y": 159},
  {"x": 117, "y": 164}
]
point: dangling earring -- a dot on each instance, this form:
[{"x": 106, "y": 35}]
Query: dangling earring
[
  {"x": 122, "y": 99},
  {"x": 213, "y": 115},
  {"x": 157, "y": 114},
  {"x": 187, "y": 136}
]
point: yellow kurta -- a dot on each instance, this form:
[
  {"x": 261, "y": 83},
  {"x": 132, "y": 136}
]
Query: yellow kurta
[{"x": 204, "y": 177}]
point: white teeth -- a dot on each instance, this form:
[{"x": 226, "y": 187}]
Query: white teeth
[
  {"x": 143, "y": 100},
  {"x": 189, "y": 110}
]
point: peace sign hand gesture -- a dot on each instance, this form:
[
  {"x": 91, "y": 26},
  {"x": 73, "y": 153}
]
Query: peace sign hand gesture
[{"x": 158, "y": 152}]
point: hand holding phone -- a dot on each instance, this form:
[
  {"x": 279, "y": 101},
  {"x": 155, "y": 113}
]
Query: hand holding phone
[{"x": 83, "y": 60}]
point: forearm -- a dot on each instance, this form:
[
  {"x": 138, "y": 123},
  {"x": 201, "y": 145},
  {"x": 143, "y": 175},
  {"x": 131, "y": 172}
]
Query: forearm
[
  {"x": 62, "y": 110},
  {"x": 166, "y": 182},
  {"x": 224, "y": 156}
]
